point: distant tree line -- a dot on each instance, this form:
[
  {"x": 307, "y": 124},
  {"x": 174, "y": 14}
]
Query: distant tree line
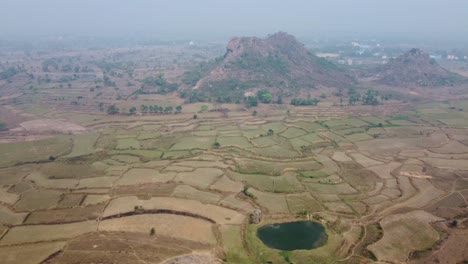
[{"x": 144, "y": 109}]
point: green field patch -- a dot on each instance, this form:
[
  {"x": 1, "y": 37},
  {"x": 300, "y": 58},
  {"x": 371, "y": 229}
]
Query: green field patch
[
  {"x": 34, "y": 151},
  {"x": 280, "y": 184},
  {"x": 359, "y": 137},
  {"x": 205, "y": 133},
  {"x": 312, "y": 138},
  {"x": 293, "y": 132},
  {"x": 232, "y": 244},
  {"x": 176, "y": 154},
  {"x": 150, "y": 154},
  {"x": 313, "y": 174},
  {"x": 298, "y": 144},
  {"x": 350, "y": 131},
  {"x": 352, "y": 122},
  {"x": 342, "y": 188},
  {"x": 147, "y": 135},
  {"x": 127, "y": 159},
  {"x": 277, "y": 127},
  {"x": 201, "y": 164},
  {"x": 252, "y": 166},
  {"x": 201, "y": 177},
  {"x": 151, "y": 127},
  {"x": 253, "y": 133},
  {"x": 332, "y": 136},
  {"x": 188, "y": 192},
  {"x": 227, "y": 128},
  {"x": 205, "y": 128},
  {"x": 372, "y": 120},
  {"x": 276, "y": 152},
  {"x": 59, "y": 170},
  {"x": 127, "y": 143},
  {"x": 188, "y": 143},
  {"x": 307, "y": 126},
  {"x": 302, "y": 202},
  {"x": 225, "y": 184},
  {"x": 83, "y": 145},
  {"x": 264, "y": 141},
  {"x": 240, "y": 142},
  {"x": 401, "y": 122},
  {"x": 275, "y": 203}
]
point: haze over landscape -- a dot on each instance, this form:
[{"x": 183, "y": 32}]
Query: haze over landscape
[
  {"x": 213, "y": 19},
  {"x": 246, "y": 132}
]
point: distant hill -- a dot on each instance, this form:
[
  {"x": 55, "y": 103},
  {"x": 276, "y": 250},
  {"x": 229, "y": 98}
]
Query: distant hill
[
  {"x": 278, "y": 62},
  {"x": 415, "y": 67}
]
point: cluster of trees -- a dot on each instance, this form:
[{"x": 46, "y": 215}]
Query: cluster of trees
[
  {"x": 308, "y": 101},
  {"x": 371, "y": 97},
  {"x": 160, "y": 83},
  {"x": 155, "y": 109},
  {"x": 145, "y": 109},
  {"x": 8, "y": 73},
  {"x": 193, "y": 96},
  {"x": 2, "y": 126}
]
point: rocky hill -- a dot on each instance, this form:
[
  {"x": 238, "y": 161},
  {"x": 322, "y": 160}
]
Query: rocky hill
[
  {"x": 415, "y": 68},
  {"x": 278, "y": 62}
]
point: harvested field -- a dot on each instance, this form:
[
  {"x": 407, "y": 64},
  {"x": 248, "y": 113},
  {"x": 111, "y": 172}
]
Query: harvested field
[
  {"x": 38, "y": 199},
  {"x": 78, "y": 214},
  {"x": 404, "y": 233},
  {"x": 29, "y": 254},
  {"x": 39, "y": 233},
  {"x": 168, "y": 225},
  {"x": 114, "y": 247},
  {"x": 218, "y": 214}
]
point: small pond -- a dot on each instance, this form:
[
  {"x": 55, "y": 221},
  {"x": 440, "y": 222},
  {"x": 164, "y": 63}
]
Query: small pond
[{"x": 293, "y": 235}]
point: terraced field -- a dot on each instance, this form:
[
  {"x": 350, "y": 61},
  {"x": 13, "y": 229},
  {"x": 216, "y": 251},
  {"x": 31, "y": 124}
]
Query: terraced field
[{"x": 156, "y": 189}]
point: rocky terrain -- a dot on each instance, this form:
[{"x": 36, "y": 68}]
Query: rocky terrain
[
  {"x": 279, "y": 62},
  {"x": 415, "y": 68}
]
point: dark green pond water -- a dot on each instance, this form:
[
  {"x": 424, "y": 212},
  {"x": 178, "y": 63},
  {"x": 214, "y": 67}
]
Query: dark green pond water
[{"x": 293, "y": 235}]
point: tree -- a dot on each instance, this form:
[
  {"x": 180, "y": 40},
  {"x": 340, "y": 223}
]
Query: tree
[
  {"x": 254, "y": 113},
  {"x": 354, "y": 98},
  {"x": 195, "y": 117},
  {"x": 152, "y": 231},
  {"x": 264, "y": 96},
  {"x": 144, "y": 109},
  {"x": 251, "y": 101},
  {"x": 270, "y": 132},
  {"x": 280, "y": 100},
  {"x": 132, "y": 110},
  {"x": 216, "y": 145},
  {"x": 178, "y": 109},
  {"x": 168, "y": 109},
  {"x": 370, "y": 98},
  {"x": 113, "y": 110},
  {"x": 2, "y": 126}
]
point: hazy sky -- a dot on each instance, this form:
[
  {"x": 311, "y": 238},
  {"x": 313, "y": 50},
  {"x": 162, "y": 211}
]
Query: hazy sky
[{"x": 219, "y": 18}]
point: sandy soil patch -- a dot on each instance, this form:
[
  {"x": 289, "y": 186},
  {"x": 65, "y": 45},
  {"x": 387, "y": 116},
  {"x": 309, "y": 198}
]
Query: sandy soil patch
[{"x": 50, "y": 125}]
